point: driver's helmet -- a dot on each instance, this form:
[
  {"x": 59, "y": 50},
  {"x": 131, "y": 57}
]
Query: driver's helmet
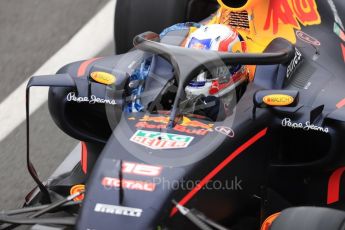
[{"x": 221, "y": 80}]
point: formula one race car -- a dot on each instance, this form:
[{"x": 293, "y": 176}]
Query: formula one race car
[{"x": 236, "y": 121}]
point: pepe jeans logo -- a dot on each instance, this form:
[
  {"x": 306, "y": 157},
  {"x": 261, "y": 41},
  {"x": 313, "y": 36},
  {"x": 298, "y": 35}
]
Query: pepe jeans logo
[
  {"x": 92, "y": 100},
  {"x": 286, "y": 122}
]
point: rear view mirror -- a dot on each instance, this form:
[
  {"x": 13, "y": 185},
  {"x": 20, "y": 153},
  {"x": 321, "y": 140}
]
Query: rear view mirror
[{"x": 275, "y": 98}]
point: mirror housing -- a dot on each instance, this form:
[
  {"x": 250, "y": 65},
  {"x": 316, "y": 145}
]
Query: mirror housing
[{"x": 275, "y": 98}]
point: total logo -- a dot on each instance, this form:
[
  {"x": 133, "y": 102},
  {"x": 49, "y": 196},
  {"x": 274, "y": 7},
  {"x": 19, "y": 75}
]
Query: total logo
[
  {"x": 118, "y": 210},
  {"x": 109, "y": 182},
  {"x": 159, "y": 140}
]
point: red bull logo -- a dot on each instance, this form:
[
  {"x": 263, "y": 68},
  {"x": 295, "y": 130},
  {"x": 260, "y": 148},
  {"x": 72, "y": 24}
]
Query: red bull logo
[
  {"x": 185, "y": 125},
  {"x": 179, "y": 128},
  {"x": 196, "y": 124},
  {"x": 186, "y": 122},
  {"x": 163, "y": 120}
]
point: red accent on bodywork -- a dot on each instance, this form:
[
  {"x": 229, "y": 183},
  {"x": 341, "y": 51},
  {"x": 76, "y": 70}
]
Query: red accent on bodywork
[
  {"x": 341, "y": 103},
  {"x": 83, "y": 66},
  {"x": 83, "y": 157},
  {"x": 219, "y": 167},
  {"x": 343, "y": 50},
  {"x": 334, "y": 185}
]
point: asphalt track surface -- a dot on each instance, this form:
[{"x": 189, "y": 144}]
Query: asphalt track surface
[{"x": 31, "y": 31}]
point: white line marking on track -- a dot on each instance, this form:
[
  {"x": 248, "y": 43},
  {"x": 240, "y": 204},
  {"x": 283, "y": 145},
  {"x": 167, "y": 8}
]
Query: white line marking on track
[{"x": 90, "y": 40}]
